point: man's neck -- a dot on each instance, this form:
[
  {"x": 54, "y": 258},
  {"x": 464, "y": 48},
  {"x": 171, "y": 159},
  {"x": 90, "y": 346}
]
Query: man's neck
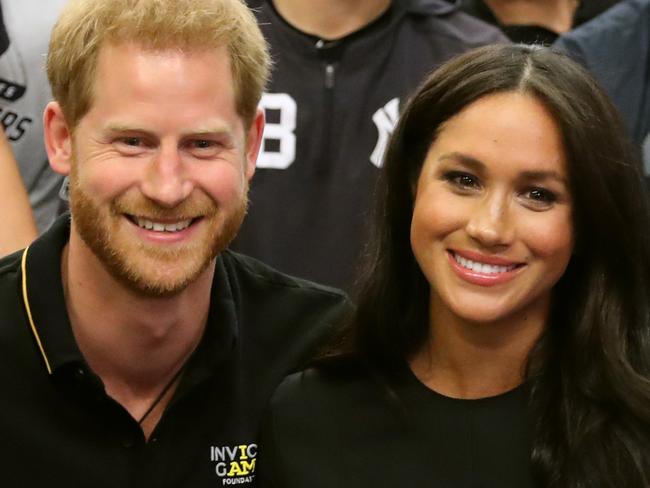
[
  {"x": 330, "y": 19},
  {"x": 136, "y": 344},
  {"x": 555, "y": 15}
]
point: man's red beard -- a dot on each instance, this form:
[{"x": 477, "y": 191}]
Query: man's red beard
[{"x": 149, "y": 269}]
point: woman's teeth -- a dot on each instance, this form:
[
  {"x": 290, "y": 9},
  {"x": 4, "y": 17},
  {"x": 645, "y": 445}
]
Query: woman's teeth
[{"x": 482, "y": 267}]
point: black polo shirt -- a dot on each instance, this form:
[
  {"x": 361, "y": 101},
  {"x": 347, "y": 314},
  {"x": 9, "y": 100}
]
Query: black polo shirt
[{"x": 59, "y": 428}]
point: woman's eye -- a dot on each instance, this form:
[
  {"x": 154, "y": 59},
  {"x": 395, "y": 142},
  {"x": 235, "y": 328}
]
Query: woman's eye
[
  {"x": 462, "y": 180},
  {"x": 539, "y": 198},
  {"x": 541, "y": 195}
]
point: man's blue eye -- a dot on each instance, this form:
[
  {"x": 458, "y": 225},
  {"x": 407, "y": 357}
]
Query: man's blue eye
[
  {"x": 131, "y": 141},
  {"x": 203, "y": 144}
]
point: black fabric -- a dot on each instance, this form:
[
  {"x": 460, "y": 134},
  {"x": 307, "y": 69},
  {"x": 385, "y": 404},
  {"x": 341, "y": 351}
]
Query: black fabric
[
  {"x": 588, "y": 9},
  {"x": 352, "y": 429},
  {"x": 61, "y": 429},
  {"x": 309, "y": 218},
  {"x": 4, "y": 36},
  {"x": 530, "y": 34}
]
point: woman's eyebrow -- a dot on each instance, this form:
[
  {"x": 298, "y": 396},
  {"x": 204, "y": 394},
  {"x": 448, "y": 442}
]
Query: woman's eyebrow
[
  {"x": 464, "y": 159},
  {"x": 544, "y": 175}
]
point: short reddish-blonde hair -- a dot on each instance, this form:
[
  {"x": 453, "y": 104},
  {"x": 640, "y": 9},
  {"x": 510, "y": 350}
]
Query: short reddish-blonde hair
[{"x": 86, "y": 25}]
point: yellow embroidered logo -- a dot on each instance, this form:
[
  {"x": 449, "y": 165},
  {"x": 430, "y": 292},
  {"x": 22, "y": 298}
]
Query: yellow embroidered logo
[{"x": 234, "y": 464}]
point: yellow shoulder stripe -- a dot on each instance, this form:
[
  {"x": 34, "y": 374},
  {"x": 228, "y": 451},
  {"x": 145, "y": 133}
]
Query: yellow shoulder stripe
[{"x": 23, "y": 266}]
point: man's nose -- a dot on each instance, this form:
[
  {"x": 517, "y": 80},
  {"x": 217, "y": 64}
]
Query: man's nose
[{"x": 166, "y": 181}]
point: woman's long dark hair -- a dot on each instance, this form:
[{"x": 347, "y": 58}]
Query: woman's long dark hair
[{"x": 589, "y": 375}]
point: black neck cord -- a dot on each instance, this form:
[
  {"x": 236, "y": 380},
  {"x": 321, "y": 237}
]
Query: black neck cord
[{"x": 161, "y": 395}]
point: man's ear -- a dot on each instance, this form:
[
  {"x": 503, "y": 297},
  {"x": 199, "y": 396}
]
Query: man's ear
[
  {"x": 58, "y": 138},
  {"x": 254, "y": 142}
]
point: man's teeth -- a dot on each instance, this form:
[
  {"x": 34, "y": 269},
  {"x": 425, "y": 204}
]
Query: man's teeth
[
  {"x": 158, "y": 227},
  {"x": 482, "y": 267}
]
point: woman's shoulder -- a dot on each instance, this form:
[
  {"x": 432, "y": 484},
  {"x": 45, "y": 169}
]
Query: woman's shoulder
[
  {"x": 314, "y": 418},
  {"x": 332, "y": 382},
  {"x": 334, "y": 391}
]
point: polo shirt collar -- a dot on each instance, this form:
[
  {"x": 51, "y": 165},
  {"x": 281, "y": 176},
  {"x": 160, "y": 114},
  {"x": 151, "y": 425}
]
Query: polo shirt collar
[
  {"x": 42, "y": 293},
  {"x": 43, "y": 297}
]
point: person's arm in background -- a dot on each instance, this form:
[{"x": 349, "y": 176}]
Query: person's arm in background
[{"x": 17, "y": 226}]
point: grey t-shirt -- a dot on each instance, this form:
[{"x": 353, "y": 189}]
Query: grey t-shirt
[{"x": 24, "y": 92}]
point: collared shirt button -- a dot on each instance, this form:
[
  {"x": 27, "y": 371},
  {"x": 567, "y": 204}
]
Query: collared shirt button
[{"x": 79, "y": 374}]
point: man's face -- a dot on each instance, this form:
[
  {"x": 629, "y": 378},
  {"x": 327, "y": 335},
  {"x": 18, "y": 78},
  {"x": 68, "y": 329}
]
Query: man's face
[{"x": 160, "y": 165}]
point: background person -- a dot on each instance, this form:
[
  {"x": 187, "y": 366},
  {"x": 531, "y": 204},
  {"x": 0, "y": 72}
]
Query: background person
[
  {"x": 136, "y": 349},
  {"x": 532, "y": 21},
  {"x": 502, "y": 334},
  {"x": 615, "y": 47},
  {"x": 341, "y": 72},
  {"x": 25, "y": 27}
]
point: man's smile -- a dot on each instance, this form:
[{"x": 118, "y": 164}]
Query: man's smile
[{"x": 159, "y": 226}]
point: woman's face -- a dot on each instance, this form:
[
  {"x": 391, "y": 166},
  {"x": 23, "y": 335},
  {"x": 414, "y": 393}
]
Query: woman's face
[{"x": 491, "y": 227}]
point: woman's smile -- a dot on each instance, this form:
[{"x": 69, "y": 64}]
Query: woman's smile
[
  {"x": 483, "y": 270},
  {"x": 491, "y": 227}
]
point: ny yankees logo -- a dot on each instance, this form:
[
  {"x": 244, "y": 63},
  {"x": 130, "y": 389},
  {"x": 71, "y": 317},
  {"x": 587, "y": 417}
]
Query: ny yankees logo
[
  {"x": 278, "y": 149},
  {"x": 646, "y": 153},
  {"x": 385, "y": 120}
]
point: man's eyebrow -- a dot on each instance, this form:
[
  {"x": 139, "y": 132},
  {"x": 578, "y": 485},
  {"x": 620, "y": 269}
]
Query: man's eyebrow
[
  {"x": 123, "y": 128},
  {"x": 219, "y": 130}
]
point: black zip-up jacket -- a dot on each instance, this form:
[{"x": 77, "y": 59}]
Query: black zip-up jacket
[{"x": 330, "y": 108}]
